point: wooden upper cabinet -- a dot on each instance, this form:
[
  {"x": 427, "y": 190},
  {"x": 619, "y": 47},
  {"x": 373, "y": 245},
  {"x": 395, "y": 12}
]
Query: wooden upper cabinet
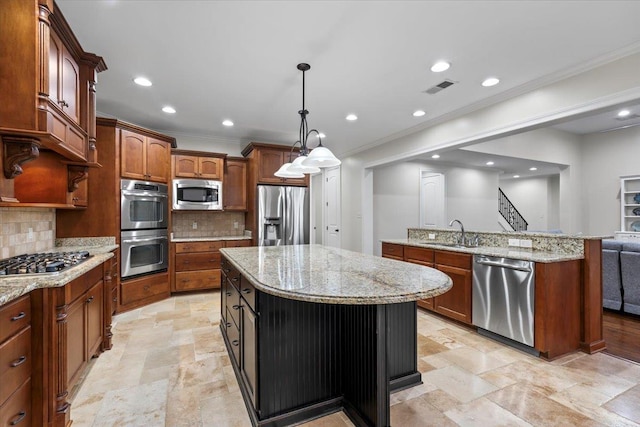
[
  {"x": 268, "y": 158},
  {"x": 158, "y": 160},
  {"x": 49, "y": 79},
  {"x": 144, "y": 157},
  {"x": 202, "y": 167},
  {"x": 234, "y": 195}
]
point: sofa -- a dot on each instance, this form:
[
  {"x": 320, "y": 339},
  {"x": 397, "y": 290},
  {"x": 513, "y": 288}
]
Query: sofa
[{"x": 621, "y": 276}]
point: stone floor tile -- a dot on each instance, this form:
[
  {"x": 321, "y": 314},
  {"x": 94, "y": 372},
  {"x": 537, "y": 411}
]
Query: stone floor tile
[
  {"x": 627, "y": 404},
  {"x": 337, "y": 419},
  {"x": 472, "y": 359},
  {"x": 482, "y": 413},
  {"x": 142, "y": 405},
  {"x": 227, "y": 410},
  {"x": 418, "y": 412},
  {"x": 459, "y": 383}
]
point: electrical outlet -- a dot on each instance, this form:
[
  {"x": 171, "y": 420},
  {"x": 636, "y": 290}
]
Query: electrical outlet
[
  {"x": 30, "y": 234},
  {"x": 235, "y": 224},
  {"x": 432, "y": 235},
  {"x": 526, "y": 243},
  {"x": 194, "y": 225},
  {"x": 514, "y": 242}
]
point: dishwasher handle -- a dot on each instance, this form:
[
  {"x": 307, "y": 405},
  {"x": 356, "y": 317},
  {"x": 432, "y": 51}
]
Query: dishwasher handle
[{"x": 485, "y": 261}]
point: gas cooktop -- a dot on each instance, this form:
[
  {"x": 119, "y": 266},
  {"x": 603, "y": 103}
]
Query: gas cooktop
[{"x": 49, "y": 263}]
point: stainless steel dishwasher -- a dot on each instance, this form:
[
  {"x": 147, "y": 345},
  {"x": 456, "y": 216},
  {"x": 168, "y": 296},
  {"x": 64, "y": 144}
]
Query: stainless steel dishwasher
[{"x": 503, "y": 297}]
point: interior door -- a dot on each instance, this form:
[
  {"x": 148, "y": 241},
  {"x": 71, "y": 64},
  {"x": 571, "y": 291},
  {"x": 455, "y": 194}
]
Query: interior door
[
  {"x": 432, "y": 202},
  {"x": 332, "y": 207}
]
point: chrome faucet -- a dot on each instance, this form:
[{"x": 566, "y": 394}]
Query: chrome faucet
[{"x": 463, "y": 241}]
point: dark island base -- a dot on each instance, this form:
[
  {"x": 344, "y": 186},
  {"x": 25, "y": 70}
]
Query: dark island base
[{"x": 316, "y": 359}]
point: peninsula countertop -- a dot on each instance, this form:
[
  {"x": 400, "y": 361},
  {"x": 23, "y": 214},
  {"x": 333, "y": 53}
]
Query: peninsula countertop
[
  {"x": 505, "y": 252},
  {"x": 323, "y": 274}
]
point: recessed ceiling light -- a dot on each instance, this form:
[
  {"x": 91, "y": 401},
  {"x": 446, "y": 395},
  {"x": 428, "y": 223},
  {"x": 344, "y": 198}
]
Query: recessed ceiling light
[
  {"x": 351, "y": 117},
  {"x": 435, "y": 156},
  {"x": 491, "y": 81},
  {"x": 533, "y": 169},
  {"x": 516, "y": 176},
  {"x": 440, "y": 66},
  {"x": 227, "y": 123},
  {"x": 624, "y": 113},
  {"x": 418, "y": 113},
  {"x": 489, "y": 163},
  {"x": 169, "y": 110},
  {"x": 322, "y": 135},
  {"x": 142, "y": 81}
]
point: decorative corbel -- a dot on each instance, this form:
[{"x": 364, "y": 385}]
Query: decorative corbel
[
  {"x": 76, "y": 174},
  {"x": 18, "y": 150}
]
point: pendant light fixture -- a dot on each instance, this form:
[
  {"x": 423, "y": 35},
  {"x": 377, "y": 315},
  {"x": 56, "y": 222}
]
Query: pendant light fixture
[{"x": 308, "y": 161}]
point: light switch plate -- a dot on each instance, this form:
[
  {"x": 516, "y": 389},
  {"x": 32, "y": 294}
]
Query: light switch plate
[{"x": 514, "y": 242}]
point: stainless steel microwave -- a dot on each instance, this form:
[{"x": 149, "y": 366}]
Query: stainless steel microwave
[{"x": 197, "y": 194}]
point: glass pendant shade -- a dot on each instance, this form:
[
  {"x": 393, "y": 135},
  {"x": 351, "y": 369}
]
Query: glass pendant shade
[
  {"x": 298, "y": 166},
  {"x": 321, "y": 157},
  {"x": 284, "y": 172}
]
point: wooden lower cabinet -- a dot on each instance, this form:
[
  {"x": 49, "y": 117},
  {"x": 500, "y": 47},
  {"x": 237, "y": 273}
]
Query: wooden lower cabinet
[
  {"x": 143, "y": 290},
  {"x": 197, "y": 264},
  {"x": 455, "y": 303},
  {"x": 422, "y": 256}
]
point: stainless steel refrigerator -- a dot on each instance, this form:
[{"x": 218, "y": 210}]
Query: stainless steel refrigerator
[{"x": 283, "y": 215}]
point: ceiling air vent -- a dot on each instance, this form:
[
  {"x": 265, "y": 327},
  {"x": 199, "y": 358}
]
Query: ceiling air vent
[
  {"x": 440, "y": 86},
  {"x": 630, "y": 116}
]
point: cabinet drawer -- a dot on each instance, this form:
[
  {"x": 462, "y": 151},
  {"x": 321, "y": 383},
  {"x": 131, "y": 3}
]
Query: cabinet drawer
[
  {"x": 14, "y": 316},
  {"x": 198, "y": 261},
  {"x": 15, "y": 363},
  {"x": 233, "y": 304},
  {"x": 17, "y": 410},
  {"x": 232, "y": 273},
  {"x": 191, "y": 280},
  {"x": 185, "y": 247},
  {"x": 248, "y": 293},
  {"x": 453, "y": 259},
  {"x": 392, "y": 250},
  {"x": 238, "y": 243},
  {"x": 139, "y": 289},
  {"x": 233, "y": 335},
  {"x": 422, "y": 256}
]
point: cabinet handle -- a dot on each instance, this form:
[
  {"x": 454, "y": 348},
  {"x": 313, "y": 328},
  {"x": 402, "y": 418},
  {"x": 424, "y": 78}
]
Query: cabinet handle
[
  {"x": 63, "y": 103},
  {"x": 145, "y": 287},
  {"x": 19, "y": 361},
  {"x": 228, "y": 324},
  {"x": 235, "y": 279},
  {"x": 185, "y": 280},
  {"x": 246, "y": 291},
  {"x": 236, "y": 307},
  {"x": 186, "y": 261},
  {"x": 18, "y": 418},
  {"x": 89, "y": 299},
  {"x": 235, "y": 342},
  {"x": 226, "y": 270},
  {"x": 20, "y": 315}
]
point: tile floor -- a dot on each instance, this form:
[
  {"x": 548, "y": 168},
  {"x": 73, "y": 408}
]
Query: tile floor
[{"x": 169, "y": 367}]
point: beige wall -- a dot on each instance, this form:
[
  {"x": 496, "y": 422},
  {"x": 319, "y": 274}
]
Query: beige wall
[{"x": 16, "y": 222}]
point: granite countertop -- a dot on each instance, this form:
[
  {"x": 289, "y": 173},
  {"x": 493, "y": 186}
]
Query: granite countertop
[
  {"x": 516, "y": 253},
  {"x": 324, "y": 274},
  {"x": 208, "y": 239},
  {"x": 13, "y": 287}
]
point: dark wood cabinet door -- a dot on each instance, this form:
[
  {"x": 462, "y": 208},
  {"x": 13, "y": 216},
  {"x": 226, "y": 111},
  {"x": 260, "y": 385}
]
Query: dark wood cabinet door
[
  {"x": 456, "y": 303},
  {"x": 234, "y": 195},
  {"x": 70, "y": 86},
  {"x": 133, "y": 154},
  {"x": 158, "y": 160},
  {"x": 76, "y": 341},
  {"x": 249, "y": 359},
  {"x": 55, "y": 56},
  {"x": 186, "y": 166},
  {"x": 393, "y": 251},
  {"x": 210, "y": 167},
  {"x": 94, "y": 305},
  {"x": 269, "y": 161}
]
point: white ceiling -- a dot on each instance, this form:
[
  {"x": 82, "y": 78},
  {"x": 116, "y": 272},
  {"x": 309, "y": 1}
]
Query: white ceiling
[{"x": 216, "y": 60}]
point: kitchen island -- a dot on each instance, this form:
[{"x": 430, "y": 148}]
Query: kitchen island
[{"x": 312, "y": 329}]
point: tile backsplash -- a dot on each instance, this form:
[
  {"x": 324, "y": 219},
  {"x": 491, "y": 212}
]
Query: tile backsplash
[
  {"x": 26, "y": 230},
  {"x": 207, "y": 224}
]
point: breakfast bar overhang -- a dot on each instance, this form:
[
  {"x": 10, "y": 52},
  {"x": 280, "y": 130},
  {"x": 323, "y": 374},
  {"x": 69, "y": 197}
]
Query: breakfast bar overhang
[{"x": 312, "y": 329}]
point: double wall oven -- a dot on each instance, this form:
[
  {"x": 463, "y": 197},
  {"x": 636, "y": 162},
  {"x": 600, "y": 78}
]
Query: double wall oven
[{"x": 144, "y": 240}]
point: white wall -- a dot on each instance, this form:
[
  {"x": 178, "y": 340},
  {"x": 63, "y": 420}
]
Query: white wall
[
  {"x": 470, "y": 195},
  {"x": 606, "y": 157},
  {"x": 531, "y": 198}
]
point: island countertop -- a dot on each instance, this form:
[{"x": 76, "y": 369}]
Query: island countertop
[{"x": 323, "y": 274}]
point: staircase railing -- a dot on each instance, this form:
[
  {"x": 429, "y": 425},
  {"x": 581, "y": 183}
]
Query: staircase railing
[{"x": 510, "y": 213}]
